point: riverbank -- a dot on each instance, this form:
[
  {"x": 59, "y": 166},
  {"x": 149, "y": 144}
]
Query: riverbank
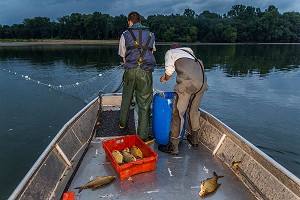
[
  {"x": 21, "y": 42},
  {"x": 24, "y": 42},
  {"x": 14, "y": 42}
]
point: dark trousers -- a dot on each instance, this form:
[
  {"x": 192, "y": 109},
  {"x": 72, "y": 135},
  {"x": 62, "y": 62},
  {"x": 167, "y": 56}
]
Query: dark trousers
[{"x": 140, "y": 82}]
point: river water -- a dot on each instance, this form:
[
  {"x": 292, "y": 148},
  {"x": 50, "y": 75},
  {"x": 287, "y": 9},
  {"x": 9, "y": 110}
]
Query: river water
[{"x": 254, "y": 89}]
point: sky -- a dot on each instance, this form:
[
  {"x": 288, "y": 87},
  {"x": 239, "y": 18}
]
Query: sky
[{"x": 15, "y": 11}]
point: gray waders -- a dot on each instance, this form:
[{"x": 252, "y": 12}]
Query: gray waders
[{"x": 188, "y": 93}]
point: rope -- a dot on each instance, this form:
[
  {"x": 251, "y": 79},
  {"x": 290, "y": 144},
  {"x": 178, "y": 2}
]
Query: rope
[{"x": 160, "y": 92}]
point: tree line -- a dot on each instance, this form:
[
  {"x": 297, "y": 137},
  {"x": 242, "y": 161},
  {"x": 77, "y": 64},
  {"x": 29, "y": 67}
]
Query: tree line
[{"x": 240, "y": 24}]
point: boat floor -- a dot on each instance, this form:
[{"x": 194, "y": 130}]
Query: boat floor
[{"x": 174, "y": 177}]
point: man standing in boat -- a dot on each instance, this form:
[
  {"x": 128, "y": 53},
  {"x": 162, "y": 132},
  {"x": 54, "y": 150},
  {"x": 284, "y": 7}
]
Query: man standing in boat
[
  {"x": 136, "y": 48},
  {"x": 190, "y": 86}
]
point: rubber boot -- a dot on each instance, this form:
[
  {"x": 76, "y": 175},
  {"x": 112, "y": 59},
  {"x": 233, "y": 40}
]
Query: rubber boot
[
  {"x": 174, "y": 143},
  {"x": 171, "y": 147},
  {"x": 123, "y": 130},
  {"x": 149, "y": 140},
  {"x": 193, "y": 138},
  {"x": 166, "y": 148}
]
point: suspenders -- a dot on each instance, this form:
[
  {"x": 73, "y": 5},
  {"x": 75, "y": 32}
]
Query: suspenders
[
  {"x": 200, "y": 63},
  {"x": 138, "y": 44},
  {"x": 196, "y": 59}
]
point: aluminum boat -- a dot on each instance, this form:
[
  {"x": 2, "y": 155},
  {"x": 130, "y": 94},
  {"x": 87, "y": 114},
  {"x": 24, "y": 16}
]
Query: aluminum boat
[{"x": 75, "y": 156}]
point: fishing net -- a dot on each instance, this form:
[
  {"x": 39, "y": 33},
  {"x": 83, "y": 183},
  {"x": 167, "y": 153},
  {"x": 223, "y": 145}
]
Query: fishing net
[{"x": 84, "y": 83}]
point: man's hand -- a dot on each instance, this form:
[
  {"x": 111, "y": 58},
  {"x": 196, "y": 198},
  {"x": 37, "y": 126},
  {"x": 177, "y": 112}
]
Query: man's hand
[{"x": 163, "y": 79}]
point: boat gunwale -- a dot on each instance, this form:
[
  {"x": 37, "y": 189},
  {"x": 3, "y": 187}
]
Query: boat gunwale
[{"x": 255, "y": 149}]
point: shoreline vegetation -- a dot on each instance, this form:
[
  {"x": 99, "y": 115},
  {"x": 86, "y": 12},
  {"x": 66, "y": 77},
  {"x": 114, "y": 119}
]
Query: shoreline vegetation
[
  {"x": 17, "y": 42},
  {"x": 23, "y": 42},
  {"x": 242, "y": 24}
]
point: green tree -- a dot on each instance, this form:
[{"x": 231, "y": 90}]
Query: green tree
[
  {"x": 64, "y": 29},
  {"x": 193, "y": 33},
  {"x": 240, "y": 24},
  {"x": 38, "y": 27},
  {"x": 95, "y": 25},
  {"x": 229, "y": 34},
  {"x": 205, "y": 24},
  {"x": 17, "y": 31},
  {"x": 159, "y": 24},
  {"x": 244, "y": 20},
  {"x": 6, "y": 32},
  {"x": 77, "y": 26},
  {"x": 270, "y": 26},
  {"x": 236, "y": 11},
  {"x": 292, "y": 23},
  {"x": 169, "y": 35},
  {"x": 189, "y": 13},
  {"x": 120, "y": 25}
]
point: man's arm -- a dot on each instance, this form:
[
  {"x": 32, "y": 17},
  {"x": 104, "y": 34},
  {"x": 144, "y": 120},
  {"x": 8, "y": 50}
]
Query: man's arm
[
  {"x": 122, "y": 48},
  {"x": 170, "y": 68}
]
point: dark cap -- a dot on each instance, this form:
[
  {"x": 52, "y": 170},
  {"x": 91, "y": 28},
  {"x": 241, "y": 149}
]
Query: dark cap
[{"x": 175, "y": 45}]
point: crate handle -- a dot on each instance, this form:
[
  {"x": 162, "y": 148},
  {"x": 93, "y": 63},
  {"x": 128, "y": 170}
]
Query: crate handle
[
  {"x": 138, "y": 162},
  {"x": 119, "y": 141}
]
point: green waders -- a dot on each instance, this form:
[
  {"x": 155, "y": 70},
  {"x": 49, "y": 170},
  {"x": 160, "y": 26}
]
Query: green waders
[{"x": 139, "y": 81}]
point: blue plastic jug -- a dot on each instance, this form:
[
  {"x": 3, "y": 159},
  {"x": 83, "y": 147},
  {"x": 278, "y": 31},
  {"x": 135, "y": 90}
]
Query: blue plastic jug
[{"x": 162, "y": 116}]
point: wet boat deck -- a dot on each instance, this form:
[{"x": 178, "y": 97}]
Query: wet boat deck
[
  {"x": 174, "y": 177},
  {"x": 109, "y": 124}
]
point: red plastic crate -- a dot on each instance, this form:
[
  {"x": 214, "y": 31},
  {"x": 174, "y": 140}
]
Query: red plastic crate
[{"x": 129, "y": 169}]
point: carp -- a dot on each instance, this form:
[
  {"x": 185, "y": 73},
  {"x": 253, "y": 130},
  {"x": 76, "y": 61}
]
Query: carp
[
  {"x": 118, "y": 156},
  {"x": 209, "y": 185},
  {"x": 126, "y": 150},
  {"x": 128, "y": 157},
  {"x": 136, "y": 152},
  {"x": 97, "y": 182}
]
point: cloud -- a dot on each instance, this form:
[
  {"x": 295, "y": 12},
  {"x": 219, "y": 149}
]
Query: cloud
[{"x": 15, "y": 11}]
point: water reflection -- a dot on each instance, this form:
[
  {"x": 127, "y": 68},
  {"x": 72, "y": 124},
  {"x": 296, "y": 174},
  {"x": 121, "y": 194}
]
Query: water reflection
[
  {"x": 233, "y": 60},
  {"x": 244, "y": 60},
  {"x": 73, "y": 56}
]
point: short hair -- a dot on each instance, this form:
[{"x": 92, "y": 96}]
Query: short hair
[
  {"x": 134, "y": 17},
  {"x": 175, "y": 45}
]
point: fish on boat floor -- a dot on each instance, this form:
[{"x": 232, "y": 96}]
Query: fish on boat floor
[{"x": 175, "y": 177}]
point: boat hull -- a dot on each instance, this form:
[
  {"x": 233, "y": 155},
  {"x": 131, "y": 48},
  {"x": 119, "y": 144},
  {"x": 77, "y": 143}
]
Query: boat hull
[{"x": 51, "y": 173}]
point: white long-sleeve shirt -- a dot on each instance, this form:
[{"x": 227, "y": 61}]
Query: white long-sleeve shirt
[{"x": 174, "y": 54}]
